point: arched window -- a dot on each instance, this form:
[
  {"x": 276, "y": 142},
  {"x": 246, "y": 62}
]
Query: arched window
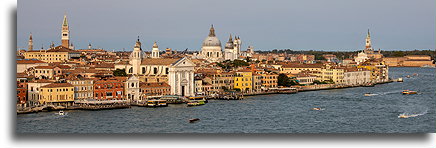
[
  {"x": 155, "y": 70},
  {"x": 131, "y": 70},
  {"x": 143, "y": 70},
  {"x": 133, "y": 84}
]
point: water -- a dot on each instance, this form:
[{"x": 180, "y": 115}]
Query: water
[{"x": 344, "y": 111}]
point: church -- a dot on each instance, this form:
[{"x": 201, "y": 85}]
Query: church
[
  {"x": 177, "y": 72},
  {"x": 211, "y": 48}
]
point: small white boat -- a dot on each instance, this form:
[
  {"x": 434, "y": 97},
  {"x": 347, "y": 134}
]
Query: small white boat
[
  {"x": 368, "y": 94},
  {"x": 61, "y": 113},
  {"x": 400, "y": 80},
  {"x": 316, "y": 108}
]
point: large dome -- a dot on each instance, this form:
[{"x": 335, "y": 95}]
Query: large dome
[{"x": 211, "y": 40}]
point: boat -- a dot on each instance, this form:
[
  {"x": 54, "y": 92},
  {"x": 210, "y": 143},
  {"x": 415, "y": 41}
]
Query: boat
[
  {"x": 415, "y": 74},
  {"x": 61, "y": 113},
  {"x": 156, "y": 103},
  {"x": 409, "y": 92},
  {"x": 400, "y": 80},
  {"x": 408, "y": 76},
  {"x": 193, "y": 120},
  {"x": 406, "y": 116},
  {"x": 196, "y": 101},
  {"x": 316, "y": 108},
  {"x": 369, "y": 85},
  {"x": 368, "y": 94}
]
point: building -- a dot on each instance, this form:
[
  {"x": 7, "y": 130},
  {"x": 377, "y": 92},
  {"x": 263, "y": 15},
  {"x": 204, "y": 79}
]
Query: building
[
  {"x": 54, "y": 54},
  {"x": 57, "y": 94},
  {"x": 21, "y": 93},
  {"x": 65, "y": 33},
  {"x": 24, "y": 64},
  {"x": 83, "y": 87},
  {"x": 243, "y": 81},
  {"x": 356, "y": 76},
  {"x": 109, "y": 89},
  {"x": 44, "y": 72},
  {"x": 155, "y": 51},
  {"x": 154, "y": 89},
  {"x": 232, "y": 50},
  {"x": 304, "y": 78},
  {"x": 418, "y": 61},
  {"x": 132, "y": 89},
  {"x": 177, "y": 72},
  {"x": 333, "y": 74},
  {"x": 33, "y": 91},
  {"x": 294, "y": 68},
  {"x": 269, "y": 80},
  {"x": 211, "y": 48}
]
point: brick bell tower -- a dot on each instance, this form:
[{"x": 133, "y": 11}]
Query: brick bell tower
[{"x": 65, "y": 33}]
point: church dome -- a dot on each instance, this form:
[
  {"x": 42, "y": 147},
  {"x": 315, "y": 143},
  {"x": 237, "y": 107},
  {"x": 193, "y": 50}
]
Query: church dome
[{"x": 211, "y": 40}]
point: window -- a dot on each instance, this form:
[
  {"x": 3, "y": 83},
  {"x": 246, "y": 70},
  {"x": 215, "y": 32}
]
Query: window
[{"x": 155, "y": 70}]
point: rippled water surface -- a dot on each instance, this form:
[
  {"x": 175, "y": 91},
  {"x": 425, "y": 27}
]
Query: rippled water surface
[{"x": 344, "y": 111}]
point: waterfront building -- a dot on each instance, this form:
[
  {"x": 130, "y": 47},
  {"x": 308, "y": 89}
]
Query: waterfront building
[
  {"x": 211, "y": 48},
  {"x": 109, "y": 89},
  {"x": 418, "y": 61},
  {"x": 304, "y": 78},
  {"x": 154, "y": 89},
  {"x": 132, "y": 89},
  {"x": 243, "y": 81},
  {"x": 269, "y": 80},
  {"x": 379, "y": 71},
  {"x": 394, "y": 61},
  {"x": 256, "y": 82},
  {"x": 332, "y": 73},
  {"x": 177, "y": 72},
  {"x": 21, "y": 93},
  {"x": 57, "y": 94},
  {"x": 356, "y": 76},
  {"x": 24, "y": 64},
  {"x": 83, "y": 87},
  {"x": 295, "y": 68},
  {"x": 33, "y": 91}
]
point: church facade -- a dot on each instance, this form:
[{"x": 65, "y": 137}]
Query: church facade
[{"x": 177, "y": 72}]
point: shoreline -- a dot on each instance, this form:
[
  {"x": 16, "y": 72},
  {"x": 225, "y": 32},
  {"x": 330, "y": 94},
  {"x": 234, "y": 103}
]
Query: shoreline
[{"x": 48, "y": 108}]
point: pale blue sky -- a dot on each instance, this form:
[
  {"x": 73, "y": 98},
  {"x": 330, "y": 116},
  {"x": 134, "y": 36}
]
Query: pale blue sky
[{"x": 266, "y": 25}]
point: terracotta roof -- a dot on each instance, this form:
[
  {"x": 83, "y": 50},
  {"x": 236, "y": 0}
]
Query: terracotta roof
[
  {"x": 159, "y": 61},
  {"x": 60, "y": 49},
  {"x": 54, "y": 85},
  {"x": 42, "y": 81},
  {"x": 44, "y": 67},
  {"x": 153, "y": 85},
  {"x": 295, "y": 65},
  {"x": 29, "y": 61},
  {"x": 64, "y": 67},
  {"x": 22, "y": 75}
]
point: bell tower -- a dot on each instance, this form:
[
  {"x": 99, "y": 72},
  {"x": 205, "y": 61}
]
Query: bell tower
[
  {"x": 65, "y": 33},
  {"x": 30, "y": 47}
]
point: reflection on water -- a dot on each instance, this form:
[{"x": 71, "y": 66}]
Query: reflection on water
[{"x": 343, "y": 111}]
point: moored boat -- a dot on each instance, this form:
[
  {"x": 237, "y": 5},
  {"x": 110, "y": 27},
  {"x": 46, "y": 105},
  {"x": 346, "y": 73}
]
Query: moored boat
[
  {"x": 156, "y": 103},
  {"x": 61, "y": 112},
  {"x": 400, "y": 80}
]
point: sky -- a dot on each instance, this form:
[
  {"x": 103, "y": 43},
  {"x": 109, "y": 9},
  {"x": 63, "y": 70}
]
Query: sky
[{"x": 332, "y": 25}]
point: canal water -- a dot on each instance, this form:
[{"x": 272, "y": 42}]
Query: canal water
[{"x": 343, "y": 111}]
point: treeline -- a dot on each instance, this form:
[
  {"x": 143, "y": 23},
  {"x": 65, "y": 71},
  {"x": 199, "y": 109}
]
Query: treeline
[{"x": 350, "y": 54}]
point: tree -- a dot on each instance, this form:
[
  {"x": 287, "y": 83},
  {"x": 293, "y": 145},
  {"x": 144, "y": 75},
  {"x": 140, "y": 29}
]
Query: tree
[
  {"x": 120, "y": 72},
  {"x": 283, "y": 80}
]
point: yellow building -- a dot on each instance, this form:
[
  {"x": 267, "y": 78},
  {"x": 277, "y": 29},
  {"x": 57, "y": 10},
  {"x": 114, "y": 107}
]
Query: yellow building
[
  {"x": 55, "y": 54},
  {"x": 243, "y": 81},
  {"x": 330, "y": 73},
  {"x": 57, "y": 94}
]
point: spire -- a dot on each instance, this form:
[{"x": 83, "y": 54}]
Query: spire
[
  {"x": 30, "y": 38},
  {"x": 230, "y": 38},
  {"x": 368, "y": 35},
  {"x": 212, "y": 31},
  {"x": 65, "y": 22}
]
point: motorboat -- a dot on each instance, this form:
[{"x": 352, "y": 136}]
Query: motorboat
[
  {"x": 368, "y": 94},
  {"x": 408, "y": 76},
  {"x": 400, "y": 80},
  {"x": 316, "y": 108},
  {"x": 193, "y": 120},
  {"x": 409, "y": 92},
  {"x": 61, "y": 113}
]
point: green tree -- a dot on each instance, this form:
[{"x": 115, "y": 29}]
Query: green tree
[
  {"x": 120, "y": 72},
  {"x": 283, "y": 80}
]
